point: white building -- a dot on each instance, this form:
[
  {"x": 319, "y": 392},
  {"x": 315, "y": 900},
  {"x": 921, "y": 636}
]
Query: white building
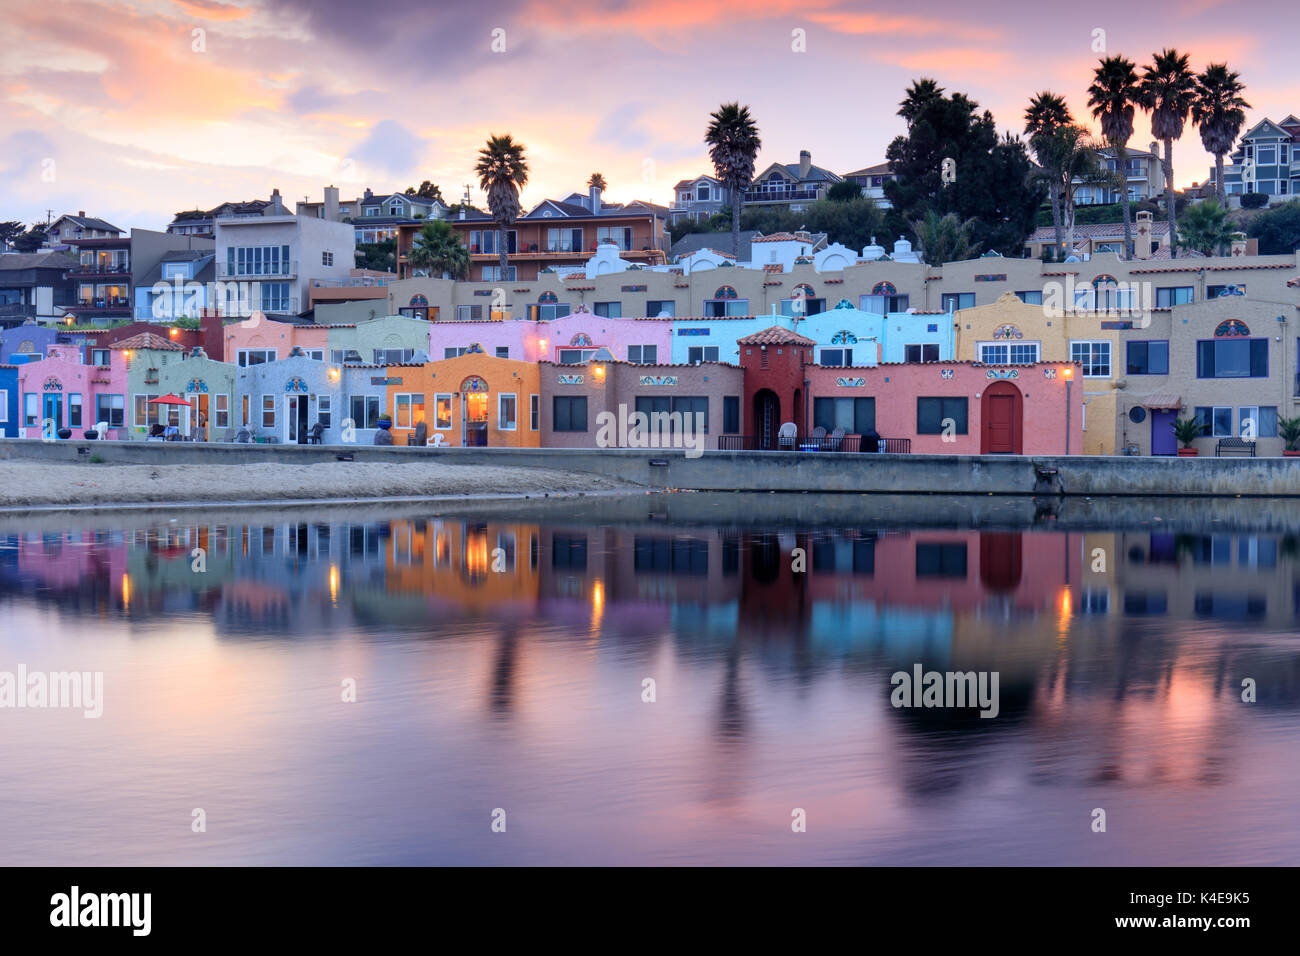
[{"x": 278, "y": 253}]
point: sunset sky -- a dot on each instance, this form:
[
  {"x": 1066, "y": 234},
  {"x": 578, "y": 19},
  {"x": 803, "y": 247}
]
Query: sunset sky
[{"x": 133, "y": 117}]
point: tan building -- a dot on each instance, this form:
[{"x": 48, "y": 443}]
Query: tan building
[
  {"x": 1230, "y": 362},
  {"x": 1012, "y": 332}
]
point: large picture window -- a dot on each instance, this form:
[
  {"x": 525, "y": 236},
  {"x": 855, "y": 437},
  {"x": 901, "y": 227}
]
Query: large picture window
[
  {"x": 569, "y": 413},
  {"x": 1232, "y": 358},
  {"x": 856, "y": 416},
  {"x": 932, "y": 412}
]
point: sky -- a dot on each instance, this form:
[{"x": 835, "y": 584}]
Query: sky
[{"x": 132, "y": 111}]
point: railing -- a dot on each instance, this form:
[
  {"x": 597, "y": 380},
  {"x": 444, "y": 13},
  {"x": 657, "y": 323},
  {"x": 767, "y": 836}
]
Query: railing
[
  {"x": 778, "y": 195},
  {"x": 288, "y": 269},
  {"x": 353, "y": 282},
  {"x": 93, "y": 268},
  {"x": 812, "y": 443},
  {"x": 111, "y": 302}
]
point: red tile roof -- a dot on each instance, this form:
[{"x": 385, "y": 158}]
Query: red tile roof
[
  {"x": 148, "y": 340},
  {"x": 775, "y": 335}
]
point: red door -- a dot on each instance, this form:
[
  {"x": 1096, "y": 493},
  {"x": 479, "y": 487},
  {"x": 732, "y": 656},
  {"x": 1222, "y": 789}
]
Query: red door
[{"x": 1001, "y": 413}]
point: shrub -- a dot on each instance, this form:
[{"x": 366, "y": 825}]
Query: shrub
[{"x": 1254, "y": 201}]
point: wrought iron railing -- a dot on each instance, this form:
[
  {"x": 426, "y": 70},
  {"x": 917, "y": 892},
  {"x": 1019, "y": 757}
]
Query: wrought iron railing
[{"x": 811, "y": 443}]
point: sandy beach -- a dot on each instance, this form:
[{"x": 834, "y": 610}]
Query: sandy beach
[{"x": 24, "y": 483}]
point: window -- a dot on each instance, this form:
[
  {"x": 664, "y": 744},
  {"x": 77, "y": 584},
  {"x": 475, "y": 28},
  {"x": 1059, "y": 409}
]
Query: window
[
  {"x": 32, "y": 409},
  {"x": 1215, "y": 420},
  {"x": 731, "y": 414},
  {"x": 393, "y": 356},
  {"x": 494, "y": 274},
  {"x": 145, "y": 413},
  {"x": 1263, "y": 417},
  {"x": 569, "y": 551},
  {"x": 880, "y": 304},
  {"x": 485, "y": 240},
  {"x": 856, "y": 416},
  {"x": 503, "y": 351},
  {"x": 609, "y": 310},
  {"x": 1148, "y": 358},
  {"x": 940, "y": 559},
  {"x": 720, "y": 308},
  {"x": 506, "y": 409},
  {"x": 1232, "y": 358},
  {"x": 408, "y": 409},
  {"x": 702, "y": 353},
  {"x": 657, "y": 307},
  {"x": 921, "y": 353},
  {"x": 621, "y": 236},
  {"x": 702, "y": 193},
  {"x": 324, "y": 410},
  {"x": 931, "y": 413},
  {"x": 688, "y": 556},
  {"x": 1167, "y": 296},
  {"x": 547, "y": 311},
  {"x": 574, "y": 356},
  {"x": 268, "y": 411},
  {"x": 453, "y": 351},
  {"x": 1031, "y": 297},
  {"x": 837, "y": 357},
  {"x": 469, "y": 313},
  {"x": 247, "y": 357},
  {"x": 563, "y": 240},
  {"x": 1214, "y": 291},
  {"x": 99, "y": 357},
  {"x": 317, "y": 355},
  {"x": 1266, "y": 156},
  {"x": 998, "y": 353},
  {"x": 327, "y": 258},
  {"x": 74, "y": 410},
  {"x": 952, "y": 301},
  {"x": 569, "y": 413},
  {"x": 365, "y": 411},
  {"x": 535, "y": 412},
  {"x": 345, "y": 356},
  {"x": 257, "y": 260},
  {"x": 805, "y": 306},
  {"x": 643, "y": 354},
  {"x": 1094, "y": 356},
  {"x": 442, "y": 411},
  {"x": 112, "y": 409},
  {"x": 243, "y": 411},
  {"x": 4, "y": 406},
  {"x": 693, "y": 408}
]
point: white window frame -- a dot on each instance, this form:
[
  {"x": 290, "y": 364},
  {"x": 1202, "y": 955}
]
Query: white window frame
[
  {"x": 1091, "y": 344},
  {"x": 325, "y": 408},
  {"x": 535, "y": 412},
  {"x": 501, "y": 420},
  {"x": 268, "y": 405},
  {"x": 451, "y": 411},
  {"x": 221, "y": 416},
  {"x": 982, "y": 347},
  {"x": 410, "y": 404},
  {"x": 241, "y": 356}
]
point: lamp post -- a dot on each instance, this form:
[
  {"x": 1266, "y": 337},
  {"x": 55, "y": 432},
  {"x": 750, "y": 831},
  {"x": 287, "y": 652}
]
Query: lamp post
[{"x": 1068, "y": 372}]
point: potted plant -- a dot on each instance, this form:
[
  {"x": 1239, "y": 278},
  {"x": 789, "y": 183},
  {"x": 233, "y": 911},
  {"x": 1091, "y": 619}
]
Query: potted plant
[
  {"x": 1289, "y": 429},
  {"x": 1187, "y": 430}
]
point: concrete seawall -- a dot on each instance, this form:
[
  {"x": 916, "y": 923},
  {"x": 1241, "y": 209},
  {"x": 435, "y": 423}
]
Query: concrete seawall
[{"x": 756, "y": 471}]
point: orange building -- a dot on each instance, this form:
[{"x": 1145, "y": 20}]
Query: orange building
[{"x": 471, "y": 400}]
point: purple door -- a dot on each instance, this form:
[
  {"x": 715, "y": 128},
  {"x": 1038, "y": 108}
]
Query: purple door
[{"x": 1163, "y": 441}]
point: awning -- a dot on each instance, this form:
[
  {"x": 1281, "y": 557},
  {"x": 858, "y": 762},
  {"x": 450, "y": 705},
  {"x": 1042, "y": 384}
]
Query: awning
[{"x": 1159, "y": 401}]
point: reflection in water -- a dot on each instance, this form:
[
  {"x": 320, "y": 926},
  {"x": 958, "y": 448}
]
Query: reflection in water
[{"x": 502, "y": 664}]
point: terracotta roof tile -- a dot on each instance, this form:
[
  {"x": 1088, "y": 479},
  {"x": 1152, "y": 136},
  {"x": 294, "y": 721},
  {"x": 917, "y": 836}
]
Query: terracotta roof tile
[
  {"x": 775, "y": 335},
  {"x": 148, "y": 340}
]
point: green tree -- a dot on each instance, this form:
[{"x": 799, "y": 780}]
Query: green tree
[
  {"x": 438, "y": 251},
  {"x": 32, "y": 239},
  {"x": 945, "y": 238},
  {"x": 426, "y": 190},
  {"x": 1113, "y": 98},
  {"x": 1219, "y": 112},
  {"x": 502, "y": 171},
  {"x": 1168, "y": 89},
  {"x": 597, "y": 181},
  {"x": 1045, "y": 118},
  {"x": 380, "y": 256},
  {"x": 733, "y": 141},
  {"x": 1205, "y": 228},
  {"x": 993, "y": 184},
  {"x": 1278, "y": 229},
  {"x": 9, "y": 231},
  {"x": 846, "y": 191}
]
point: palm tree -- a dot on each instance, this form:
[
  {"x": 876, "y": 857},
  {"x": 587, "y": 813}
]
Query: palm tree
[
  {"x": 1045, "y": 116},
  {"x": 438, "y": 250},
  {"x": 920, "y": 94},
  {"x": 1219, "y": 112},
  {"x": 1076, "y": 156},
  {"x": 945, "y": 238},
  {"x": 733, "y": 144},
  {"x": 1205, "y": 228},
  {"x": 1168, "y": 88},
  {"x": 1113, "y": 97},
  {"x": 597, "y": 181},
  {"x": 502, "y": 171}
]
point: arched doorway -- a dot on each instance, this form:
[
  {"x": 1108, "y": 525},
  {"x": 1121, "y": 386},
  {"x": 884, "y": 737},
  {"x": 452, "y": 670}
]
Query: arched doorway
[
  {"x": 767, "y": 418},
  {"x": 1001, "y": 417}
]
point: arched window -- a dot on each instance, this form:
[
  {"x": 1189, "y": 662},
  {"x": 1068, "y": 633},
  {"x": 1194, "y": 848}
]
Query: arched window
[
  {"x": 419, "y": 301},
  {"x": 802, "y": 290},
  {"x": 473, "y": 384},
  {"x": 725, "y": 292},
  {"x": 1231, "y": 328},
  {"x": 548, "y": 298},
  {"x": 884, "y": 288},
  {"x": 844, "y": 337},
  {"x": 580, "y": 339}
]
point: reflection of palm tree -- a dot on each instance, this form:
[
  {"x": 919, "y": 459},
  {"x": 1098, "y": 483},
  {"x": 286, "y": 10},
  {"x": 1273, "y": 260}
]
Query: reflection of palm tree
[{"x": 732, "y": 721}]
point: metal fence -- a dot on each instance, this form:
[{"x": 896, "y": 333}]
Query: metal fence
[{"x": 811, "y": 443}]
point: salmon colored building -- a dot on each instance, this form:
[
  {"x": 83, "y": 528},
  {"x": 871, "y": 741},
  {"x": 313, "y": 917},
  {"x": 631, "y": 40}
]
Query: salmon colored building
[{"x": 470, "y": 400}]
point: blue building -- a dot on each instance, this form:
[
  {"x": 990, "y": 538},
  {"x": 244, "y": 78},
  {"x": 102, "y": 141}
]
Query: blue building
[
  {"x": 9, "y": 409},
  {"x": 30, "y": 343},
  {"x": 1266, "y": 160}
]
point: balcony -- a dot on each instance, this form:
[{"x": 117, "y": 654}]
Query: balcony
[
  {"x": 105, "y": 302},
  {"x": 100, "y": 269},
  {"x": 353, "y": 282},
  {"x": 224, "y": 274},
  {"x": 786, "y": 194}
]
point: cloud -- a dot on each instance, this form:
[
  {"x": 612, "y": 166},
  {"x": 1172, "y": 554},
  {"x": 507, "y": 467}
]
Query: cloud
[{"x": 390, "y": 148}]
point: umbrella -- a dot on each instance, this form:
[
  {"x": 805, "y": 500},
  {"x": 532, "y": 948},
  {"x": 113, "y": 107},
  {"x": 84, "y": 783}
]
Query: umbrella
[{"x": 170, "y": 399}]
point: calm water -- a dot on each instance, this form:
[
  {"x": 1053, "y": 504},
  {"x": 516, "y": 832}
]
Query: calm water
[{"x": 1120, "y": 654}]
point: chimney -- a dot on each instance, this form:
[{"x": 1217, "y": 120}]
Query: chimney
[
  {"x": 1143, "y": 238},
  {"x": 331, "y": 211},
  {"x": 211, "y": 337},
  {"x": 805, "y": 164},
  {"x": 277, "y": 204},
  {"x": 369, "y": 194},
  {"x": 594, "y": 200},
  {"x": 81, "y": 214}
]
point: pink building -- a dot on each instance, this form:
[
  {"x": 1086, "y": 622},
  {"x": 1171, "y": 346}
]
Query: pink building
[
  {"x": 259, "y": 339},
  {"x": 954, "y": 408},
  {"x": 570, "y": 339},
  {"x": 60, "y": 392}
]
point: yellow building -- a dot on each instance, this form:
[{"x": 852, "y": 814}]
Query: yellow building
[{"x": 1012, "y": 332}]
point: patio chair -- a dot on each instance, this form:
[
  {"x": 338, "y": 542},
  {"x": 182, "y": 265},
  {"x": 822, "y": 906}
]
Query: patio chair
[
  {"x": 786, "y": 435},
  {"x": 244, "y": 436},
  {"x": 156, "y": 430},
  {"x": 837, "y": 439},
  {"x": 314, "y": 436},
  {"x": 420, "y": 436}
]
